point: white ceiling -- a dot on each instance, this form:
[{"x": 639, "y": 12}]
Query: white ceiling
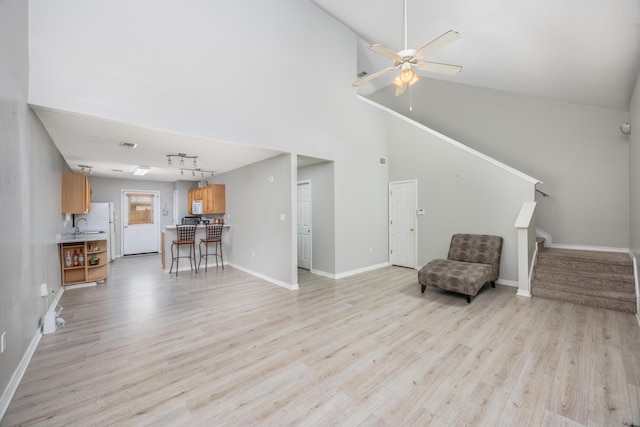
[
  {"x": 95, "y": 142},
  {"x": 582, "y": 51}
]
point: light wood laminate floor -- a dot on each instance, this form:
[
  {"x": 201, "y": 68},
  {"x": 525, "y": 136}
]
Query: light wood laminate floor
[{"x": 225, "y": 348}]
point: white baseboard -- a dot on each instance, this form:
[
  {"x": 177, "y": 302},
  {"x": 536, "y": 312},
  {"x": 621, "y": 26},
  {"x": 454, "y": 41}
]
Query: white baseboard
[
  {"x": 291, "y": 287},
  {"x": 323, "y": 273},
  {"x": 351, "y": 272},
  {"x": 8, "y": 393},
  {"x": 505, "y": 282},
  {"x": 523, "y": 293},
  {"x": 361, "y": 270}
]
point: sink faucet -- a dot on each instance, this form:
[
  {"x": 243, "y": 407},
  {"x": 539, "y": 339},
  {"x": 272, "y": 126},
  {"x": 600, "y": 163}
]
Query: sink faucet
[{"x": 77, "y": 229}]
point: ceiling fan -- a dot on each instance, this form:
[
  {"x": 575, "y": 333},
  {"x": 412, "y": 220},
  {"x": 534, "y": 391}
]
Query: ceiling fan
[{"x": 408, "y": 59}]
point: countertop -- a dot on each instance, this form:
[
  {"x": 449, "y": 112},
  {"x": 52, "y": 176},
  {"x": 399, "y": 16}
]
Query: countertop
[
  {"x": 173, "y": 227},
  {"x": 81, "y": 237}
]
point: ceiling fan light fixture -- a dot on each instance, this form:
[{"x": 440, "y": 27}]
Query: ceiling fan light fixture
[{"x": 407, "y": 75}]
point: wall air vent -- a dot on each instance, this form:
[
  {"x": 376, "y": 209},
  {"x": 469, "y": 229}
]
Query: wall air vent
[
  {"x": 128, "y": 145},
  {"x": 382, "y": 161}
]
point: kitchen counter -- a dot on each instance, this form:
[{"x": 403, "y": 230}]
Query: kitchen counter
[
  {"x": 169, "y": 234},
  {"x": 198, "y": 227},
  {"x": 82, "y": 237}
]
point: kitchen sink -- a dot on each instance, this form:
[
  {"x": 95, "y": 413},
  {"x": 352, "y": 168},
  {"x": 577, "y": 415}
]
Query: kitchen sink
[{"x": 82, "y": 233}]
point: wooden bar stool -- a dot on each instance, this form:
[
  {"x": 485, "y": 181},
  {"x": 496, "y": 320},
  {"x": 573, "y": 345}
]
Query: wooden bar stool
[
  {"x": 186, "y": 236},
  {"x": 214, "y": 235}
]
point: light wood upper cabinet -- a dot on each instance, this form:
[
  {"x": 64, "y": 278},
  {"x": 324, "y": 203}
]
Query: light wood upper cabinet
[
  {"x": 213, "y": 198},
  {"x": 76, "y": 193}
]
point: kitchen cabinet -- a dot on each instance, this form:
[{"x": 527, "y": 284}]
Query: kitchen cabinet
[
  {"x": 90, "y": 271},
  {"x": 76, "y": 193},
  {"x": 213, "y": 198}
]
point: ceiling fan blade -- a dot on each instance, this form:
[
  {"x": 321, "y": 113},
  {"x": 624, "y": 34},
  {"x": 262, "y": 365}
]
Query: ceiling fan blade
[
  {"x": 435, "y": 67},
  {"x": 438, "y": 43},
  {"x": 372, "y": 76},
  {"x": 385, "y": 51}
]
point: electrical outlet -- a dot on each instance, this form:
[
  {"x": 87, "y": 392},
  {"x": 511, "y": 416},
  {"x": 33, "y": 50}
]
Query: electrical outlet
[
  {"x": 44, "y": 290},
  {"x": 3, "y": 342}
]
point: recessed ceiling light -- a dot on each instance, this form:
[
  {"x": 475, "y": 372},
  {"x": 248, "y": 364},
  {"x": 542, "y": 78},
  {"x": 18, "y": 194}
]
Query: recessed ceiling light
[
  {"x": 127, "y": 145},
  {"x": 141, "y": 170}
]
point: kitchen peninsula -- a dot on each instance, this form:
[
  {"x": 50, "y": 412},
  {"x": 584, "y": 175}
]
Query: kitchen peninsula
[
  {"x": 169, "y": 234},
  {"x": 93, "y": 268}
]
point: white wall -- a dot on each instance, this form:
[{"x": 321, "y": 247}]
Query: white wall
[
  {"x": 272, "y": 74},
  {"x": 460, "y": 192},
  {"x": 259, "y": 241},
  {"x": 30, "y": 184},
  {"x": 576, "y": 150}
]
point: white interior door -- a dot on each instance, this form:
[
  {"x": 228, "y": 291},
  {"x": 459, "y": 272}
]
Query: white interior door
[
  {"x": 140, "y": 222},
  {"x": 402, "y": 223},
  {"x": 304, "y": 225}
]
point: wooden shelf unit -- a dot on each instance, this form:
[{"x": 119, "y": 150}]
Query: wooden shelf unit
[{"x": 84, "y": 273}]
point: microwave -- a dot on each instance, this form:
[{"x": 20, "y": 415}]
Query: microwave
[
  {"x": 196, "y": 207},
  {"x": 191, "y": 220}
]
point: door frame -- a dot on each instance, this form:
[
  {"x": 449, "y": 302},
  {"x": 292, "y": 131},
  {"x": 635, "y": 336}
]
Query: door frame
[
  {"x": 307, "y": 182},
  {"x": 415, "y": 214},
  {"x": 124, "y": 202}
]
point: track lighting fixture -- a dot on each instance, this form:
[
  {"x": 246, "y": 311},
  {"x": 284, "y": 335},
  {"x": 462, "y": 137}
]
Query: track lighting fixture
[{"x": 182, "y": 167}]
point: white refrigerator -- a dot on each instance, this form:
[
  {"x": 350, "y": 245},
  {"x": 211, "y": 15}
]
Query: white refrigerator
[{"x": 101, "y": 217}]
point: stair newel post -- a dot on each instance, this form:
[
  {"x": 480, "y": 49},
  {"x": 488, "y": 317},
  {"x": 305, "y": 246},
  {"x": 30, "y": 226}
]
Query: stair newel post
[{"x": 526, "y": 247}]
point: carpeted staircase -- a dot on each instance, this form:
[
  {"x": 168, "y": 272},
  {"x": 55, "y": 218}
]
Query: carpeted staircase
[{"x": 597, "y": 279}]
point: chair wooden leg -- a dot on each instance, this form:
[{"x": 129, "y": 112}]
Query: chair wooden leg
[
  {"x": 177, "y": 259},
  {"x": 221, "y": 259},
  {"x": 192, "y": 247},
  {"x": 468, "y": 299},
  {"x": 206, "y": 256},
  {"x": 423, "y": 288},
  {"x": 493, "y": 284},
  {"x": 172, "y": 259}
]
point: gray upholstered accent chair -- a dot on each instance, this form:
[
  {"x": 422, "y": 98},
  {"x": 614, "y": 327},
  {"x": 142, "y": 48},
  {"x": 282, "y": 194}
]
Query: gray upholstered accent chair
[{"x": 473, "y": 261}]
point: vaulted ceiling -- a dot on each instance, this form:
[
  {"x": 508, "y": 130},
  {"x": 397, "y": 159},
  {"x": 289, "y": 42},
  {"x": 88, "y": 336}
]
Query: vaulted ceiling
[{"x": 582, "y": 51}]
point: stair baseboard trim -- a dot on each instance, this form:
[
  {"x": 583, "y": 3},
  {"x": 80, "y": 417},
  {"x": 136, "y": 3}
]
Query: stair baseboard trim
[
  {"x": 523, "y": 293},
  {"x": 586, "y": 248}
]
